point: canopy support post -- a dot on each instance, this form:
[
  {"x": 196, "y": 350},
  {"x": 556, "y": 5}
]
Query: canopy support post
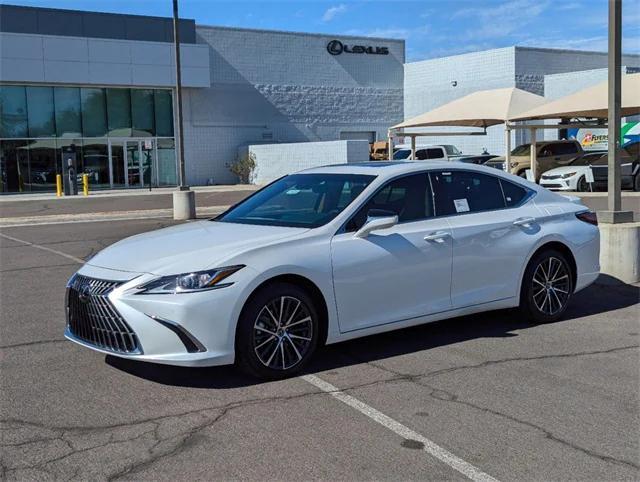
[
  {"x": 390, "y": 145},
  {"x": 507, "y": 147},
  {"x": 534, "y": 154},
  {"x": 413, "y": 148}
]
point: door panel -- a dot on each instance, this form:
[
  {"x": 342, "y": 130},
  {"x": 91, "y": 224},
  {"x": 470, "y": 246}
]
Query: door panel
[
  {"x": 489, "y": 252},
  {"x": 391, "y": 275}
]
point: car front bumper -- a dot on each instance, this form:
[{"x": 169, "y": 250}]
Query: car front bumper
[
  {"x": 558, "y": 184},
  {"x": 188, "y": 329}
]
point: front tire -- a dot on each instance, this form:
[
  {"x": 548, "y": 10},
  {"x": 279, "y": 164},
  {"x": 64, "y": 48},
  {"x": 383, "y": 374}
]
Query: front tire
[
  {"x": 583, "y": 185},
  {"x": 547, "y": 287},
  {"x": 636, "y": 182},
  {"x": 277, "y": 332}
]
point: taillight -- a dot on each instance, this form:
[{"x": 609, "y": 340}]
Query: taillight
[{"x": 588, "y": 217}]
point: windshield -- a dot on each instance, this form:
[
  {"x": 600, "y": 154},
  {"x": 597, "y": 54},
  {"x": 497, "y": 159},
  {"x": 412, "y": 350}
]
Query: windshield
[
  {"x": 452, "y": 150},
  {"x": 522, "y": 150},
  {"x": 588, "y": 159},
  {"x": 299, "y": 200},
  {"x": 402, "y": 154}
]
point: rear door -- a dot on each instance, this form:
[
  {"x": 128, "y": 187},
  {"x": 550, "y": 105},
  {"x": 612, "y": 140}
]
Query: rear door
[{"x": 493, "y": 228}]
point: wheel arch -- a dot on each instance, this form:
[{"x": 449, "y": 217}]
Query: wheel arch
[
  {"x": 310, "y": 287},
  {"x": 557, "y": 245}
]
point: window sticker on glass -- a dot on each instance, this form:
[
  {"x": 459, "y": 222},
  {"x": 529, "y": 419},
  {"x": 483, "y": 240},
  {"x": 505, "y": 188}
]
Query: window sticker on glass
[{"x": 462, "y": 206}]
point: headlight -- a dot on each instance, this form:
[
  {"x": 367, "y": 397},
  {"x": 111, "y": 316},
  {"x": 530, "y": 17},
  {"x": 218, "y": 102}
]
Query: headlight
[
  {"x": 514, "y": 164},
  {"x": 189, "y": 282},
  {"x": 569, "y": 174}
]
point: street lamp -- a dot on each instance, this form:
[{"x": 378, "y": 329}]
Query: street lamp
[{"x": 184, "y": 202}]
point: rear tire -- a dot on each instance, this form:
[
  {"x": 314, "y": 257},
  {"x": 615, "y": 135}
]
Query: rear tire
[
  {"x": 277, "y": 332},
  {"x": 547, "y": 287}
]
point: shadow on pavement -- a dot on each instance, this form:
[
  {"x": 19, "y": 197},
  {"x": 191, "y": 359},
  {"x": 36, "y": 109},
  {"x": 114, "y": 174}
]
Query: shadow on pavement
[{"x": 594, "y": 300}]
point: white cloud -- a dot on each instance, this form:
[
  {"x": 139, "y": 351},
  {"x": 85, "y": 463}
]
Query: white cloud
[
  {"x": 502, "y": 19},
  {"x": 333, "y": 11},
  {"x": 391, "y": 32}
]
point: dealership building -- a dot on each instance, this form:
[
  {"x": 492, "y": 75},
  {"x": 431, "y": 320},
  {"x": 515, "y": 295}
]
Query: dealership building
[{"x": 99, "y": 87}]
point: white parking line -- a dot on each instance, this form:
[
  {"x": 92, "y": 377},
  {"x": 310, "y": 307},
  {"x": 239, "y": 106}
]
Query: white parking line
[
  {"x": 43, "y": 248},
  {"x": 430, "y": 447}
]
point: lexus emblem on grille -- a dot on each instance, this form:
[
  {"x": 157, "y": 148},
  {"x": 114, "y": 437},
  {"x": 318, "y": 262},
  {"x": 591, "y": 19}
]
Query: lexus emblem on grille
[{"x": 85, "y": 293}]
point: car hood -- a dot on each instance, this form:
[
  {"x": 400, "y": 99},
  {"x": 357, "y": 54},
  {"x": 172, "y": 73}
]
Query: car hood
[
  {"x": 187, "y": 247},
  {"x": 518, "y": 159},
  {"x": 557, "y": 171}
]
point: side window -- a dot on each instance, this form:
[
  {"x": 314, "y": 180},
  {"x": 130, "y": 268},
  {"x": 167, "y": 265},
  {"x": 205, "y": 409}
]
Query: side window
[
  {"x": 409, "y": 197},
  {"x": 513, "y": 194},
  {"x": 458, "y": 192},
  {"x": 421, "y": 154},
  {"x": 434, "y": 154}
]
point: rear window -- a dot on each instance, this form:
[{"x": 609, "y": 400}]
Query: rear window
[{"x": 513, "y": 194}]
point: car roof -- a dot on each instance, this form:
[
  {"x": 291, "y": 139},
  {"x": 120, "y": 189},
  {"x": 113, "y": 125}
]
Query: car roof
[{"x": 388, "y": 168}]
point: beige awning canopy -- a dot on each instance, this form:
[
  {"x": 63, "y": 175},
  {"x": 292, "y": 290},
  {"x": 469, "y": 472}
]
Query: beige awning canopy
[
  {"x": 480, "y": 109},
  {"x": 591, "y": 102}
]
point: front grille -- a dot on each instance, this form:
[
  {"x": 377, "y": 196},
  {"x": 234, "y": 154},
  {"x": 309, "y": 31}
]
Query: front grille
[
  {"x": 91, "y": 317},
  {"x": 551, "y": 185},
  {"x": 552, "y": 176},
  {"x": 496, "y": 165}
]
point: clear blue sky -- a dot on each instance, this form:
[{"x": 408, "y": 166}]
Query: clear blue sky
[{"x": 432, "y": 28}]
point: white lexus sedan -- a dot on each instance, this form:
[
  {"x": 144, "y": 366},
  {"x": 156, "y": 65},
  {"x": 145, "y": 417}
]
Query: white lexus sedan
[{"x": 330, "y": 254}]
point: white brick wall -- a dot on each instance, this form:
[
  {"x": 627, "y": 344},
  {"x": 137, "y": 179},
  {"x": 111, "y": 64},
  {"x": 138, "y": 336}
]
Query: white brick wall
[
  {"x": 428, "y": 84},
  {"x": 285, "y": 87},
  {"x": 276, "y": 160}
]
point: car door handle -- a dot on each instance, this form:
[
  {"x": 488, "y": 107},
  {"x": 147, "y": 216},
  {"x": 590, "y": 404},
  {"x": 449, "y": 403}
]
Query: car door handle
[
  {"x": 438, "y": 236},
  {"x": 524, "y": 221}
]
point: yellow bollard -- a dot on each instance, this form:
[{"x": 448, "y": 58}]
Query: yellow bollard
[
  {"x": 85, "y": 184},
  {"x": 58, "y": 185}
]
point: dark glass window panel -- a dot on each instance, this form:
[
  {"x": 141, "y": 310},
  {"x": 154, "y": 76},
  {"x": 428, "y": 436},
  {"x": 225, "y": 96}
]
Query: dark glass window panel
[
  {"x": 14, "y": 166},
  {"x": 67, "y": 145},
  {"x": 513, "y": 194},
  {"x": 40, "y": 112},
  {"x": 408, "y": 197},
  {"x": 142, "y": 112},
  {"x": 459, "y": 192},
  {"x": 167, "y": 162},
  {"x": 163, "y": 113},
  {"x": 43, "y": 164},
  {"x": 13, "y": 111},
  {"x": 67, "y": 111},
  {"x": 119, "y": 112},
  {"x": 95, "y": 162},
  {"x": 94, "y": 114}
]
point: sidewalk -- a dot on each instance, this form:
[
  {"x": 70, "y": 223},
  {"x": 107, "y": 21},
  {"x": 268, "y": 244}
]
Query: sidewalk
[{"x": 47, "y": 208}]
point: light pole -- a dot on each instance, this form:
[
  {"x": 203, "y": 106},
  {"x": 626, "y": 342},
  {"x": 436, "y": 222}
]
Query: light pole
[
  {"x": 184, "y": 202},
  {"x": 614, "y": 213}
]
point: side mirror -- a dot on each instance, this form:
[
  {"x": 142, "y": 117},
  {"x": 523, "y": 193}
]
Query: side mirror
[{"x": 377, "y": 219}]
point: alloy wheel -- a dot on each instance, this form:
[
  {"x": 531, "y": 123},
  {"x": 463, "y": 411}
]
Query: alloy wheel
[
  {"x": 282, "y": 333},
  {"x": 551, "y": 284}
]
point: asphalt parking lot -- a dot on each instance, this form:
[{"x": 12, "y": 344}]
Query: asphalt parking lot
[{"x": 485, "y": 396}]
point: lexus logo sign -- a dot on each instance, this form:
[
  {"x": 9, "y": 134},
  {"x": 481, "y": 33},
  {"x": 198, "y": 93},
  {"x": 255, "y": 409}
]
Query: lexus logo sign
[{"x": 335, "y": 47}]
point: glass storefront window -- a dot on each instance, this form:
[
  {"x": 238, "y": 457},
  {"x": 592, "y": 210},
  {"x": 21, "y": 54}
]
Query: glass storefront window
[
  {"x": 163, "y": 113},
  {"x": 142, "y": 112},
  {"x": 94, "y": 114},
  {"x": 167, "y": 175},
  {"x": 14, "y": 166},
  {"x": 121, "y": 137},
  {"x": 13, "y": 111},
  {"x": 40, "y": 112},
  {"x": 95, "y": 155},
  {"x": 119, "y": 112},
  {"x": 67, "y": 111},
  {"x": 43, "y": 164}
]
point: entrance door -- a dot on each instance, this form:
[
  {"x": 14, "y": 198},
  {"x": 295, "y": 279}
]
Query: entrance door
[{"x": 133, "y": 164}]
